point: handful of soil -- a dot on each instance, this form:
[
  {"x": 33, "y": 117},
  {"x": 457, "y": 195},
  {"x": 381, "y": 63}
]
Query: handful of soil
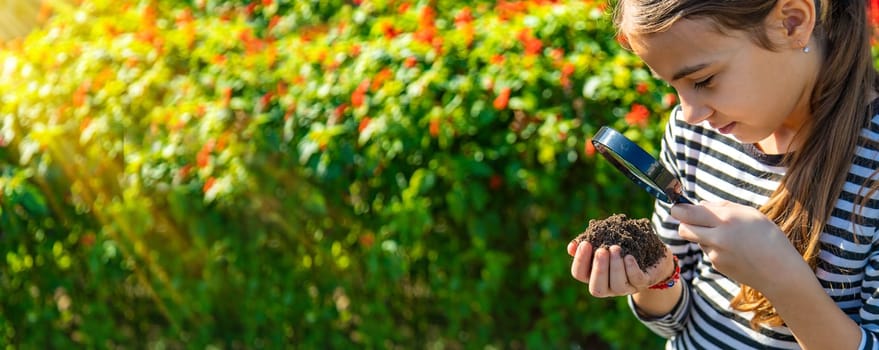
[{"x": 634, "y": 236}]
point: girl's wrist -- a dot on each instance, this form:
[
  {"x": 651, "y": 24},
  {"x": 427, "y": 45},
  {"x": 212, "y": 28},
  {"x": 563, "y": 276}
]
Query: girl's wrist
[{"x": 673, "y": 277}]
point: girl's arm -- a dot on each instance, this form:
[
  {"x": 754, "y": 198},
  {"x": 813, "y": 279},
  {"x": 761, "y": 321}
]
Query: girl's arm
[{"x": 812, "y": 316}]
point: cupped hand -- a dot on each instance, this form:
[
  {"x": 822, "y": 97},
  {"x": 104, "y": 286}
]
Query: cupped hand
[
  {"x": 739, "y": 241},
  {"x": 610, "y": 274}
]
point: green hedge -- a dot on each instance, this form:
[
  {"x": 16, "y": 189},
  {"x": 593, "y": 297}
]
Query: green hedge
[{"x": 370, "y": 174}]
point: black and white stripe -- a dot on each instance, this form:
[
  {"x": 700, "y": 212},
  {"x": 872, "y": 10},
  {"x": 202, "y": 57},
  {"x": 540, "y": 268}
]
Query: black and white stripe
[{"x": 715, "y": 167}]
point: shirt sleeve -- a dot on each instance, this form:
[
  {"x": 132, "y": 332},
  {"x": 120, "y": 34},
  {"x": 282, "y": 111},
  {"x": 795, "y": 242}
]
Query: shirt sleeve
[
  {"x": 869, "y": 313},
  {"x": 689, "y": 254}
]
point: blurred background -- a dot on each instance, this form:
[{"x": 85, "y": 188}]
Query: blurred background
[{"x": 311, "y": 174}]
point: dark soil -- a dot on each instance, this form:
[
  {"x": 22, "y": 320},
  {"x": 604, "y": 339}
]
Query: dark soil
[{"x": 634, "y": 236}]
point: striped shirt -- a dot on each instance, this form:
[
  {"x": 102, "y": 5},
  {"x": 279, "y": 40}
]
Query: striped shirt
[{"x": 714, "y": 167}]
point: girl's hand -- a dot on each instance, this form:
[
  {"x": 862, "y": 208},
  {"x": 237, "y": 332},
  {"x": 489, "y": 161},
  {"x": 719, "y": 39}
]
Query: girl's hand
[
  {"x": 739, "y": 241},
  {"x": 609, "y": 274}
]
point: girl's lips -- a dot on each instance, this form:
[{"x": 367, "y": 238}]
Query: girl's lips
[{"x": 726, "y": 129}]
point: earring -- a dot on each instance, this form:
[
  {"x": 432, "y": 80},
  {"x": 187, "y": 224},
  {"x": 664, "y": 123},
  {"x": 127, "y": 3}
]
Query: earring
[{"x": 805, "y": 49}]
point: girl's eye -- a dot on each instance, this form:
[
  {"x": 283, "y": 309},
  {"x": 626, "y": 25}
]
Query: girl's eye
[{"x": 704, "y": 83}]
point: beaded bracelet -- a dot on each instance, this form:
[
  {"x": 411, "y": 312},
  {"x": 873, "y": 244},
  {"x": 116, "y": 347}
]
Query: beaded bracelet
[{"x": 670, "y": 282}]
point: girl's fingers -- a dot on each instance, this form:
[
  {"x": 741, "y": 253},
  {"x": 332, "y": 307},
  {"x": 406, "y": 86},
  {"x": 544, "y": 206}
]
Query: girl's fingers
[
  {"x": 598, "y": 280},
  {"x": 581, "y": 268},
  {"x": 697, "y": 215},
  {"x": 636, "y": 276},
  {"x": 572, "y": 247},
  {"x": 619, "y": 282}
]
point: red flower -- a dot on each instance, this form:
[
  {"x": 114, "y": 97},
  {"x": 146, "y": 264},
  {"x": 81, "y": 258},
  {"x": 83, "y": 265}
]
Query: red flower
[
  {"x": 641, "y": 88},
  {"x": 637, "y": 116},
  {"x": 80, "y": 95},
  {"x": 359, "y": 95},
  {"x": 497, "y": 59},
  {"x": 532, "y": 45},
  {"x": 495, "y": 182},
  {"x": 204, "y": 155},
  {"x": 669, "y": 100},
  {"x": 340, "y": 110},
  {"x": 227, "y": 96},
  {"x": 502, "y": 99},
  {"x": 622, "y": 39},
  {"x": 219, "y": 59},
  {"x": 589, "y": 148},
  {"x": 873, "y": 13},
  {"x": 557, "y": 54},
  {"x": 410, "y": 62},
  {"x": 251, "y": 8},
  {"x": 434, "y": 127},
  {"x": 389, "y": 31},
  {"x": 184, "y": 171},
  {"x": 274, "y": 21},
  {"x": 85, "y": 124},
  {"x": 208, "y": 184},
  {"x": 266, "y": 99},
  {"x": 567, "y": 71},
  {"x": 363, "y": 124},
  {"x": 381, "y": 77},
  {"x": 367, "y": 240},
  {"x": 87, "y": 240},
  {"x": 465, "y": 16}
]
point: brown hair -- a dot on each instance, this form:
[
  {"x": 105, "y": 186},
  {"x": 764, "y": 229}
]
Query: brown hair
[{"x": 803, "y": 202}]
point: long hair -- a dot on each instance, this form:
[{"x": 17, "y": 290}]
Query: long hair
[{"x": 803, "y": 202}]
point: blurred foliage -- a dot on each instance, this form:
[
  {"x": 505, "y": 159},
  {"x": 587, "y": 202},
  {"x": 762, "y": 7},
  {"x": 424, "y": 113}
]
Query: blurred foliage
[{"x": 326, "y": 174}]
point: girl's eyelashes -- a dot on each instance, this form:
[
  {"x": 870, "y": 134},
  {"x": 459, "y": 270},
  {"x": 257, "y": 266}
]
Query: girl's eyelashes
[{"x": 703, "y": 83}]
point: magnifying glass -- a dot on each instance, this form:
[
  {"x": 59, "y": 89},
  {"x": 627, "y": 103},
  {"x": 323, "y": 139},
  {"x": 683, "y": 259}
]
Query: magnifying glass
[{"x": 639, "y": 166}]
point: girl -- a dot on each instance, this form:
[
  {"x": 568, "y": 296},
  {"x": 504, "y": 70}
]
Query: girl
[{"x": 776, "y": 137}]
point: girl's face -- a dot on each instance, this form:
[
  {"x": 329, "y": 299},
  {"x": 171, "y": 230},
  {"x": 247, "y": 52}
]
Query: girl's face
[{"x": 730, "y": 82}]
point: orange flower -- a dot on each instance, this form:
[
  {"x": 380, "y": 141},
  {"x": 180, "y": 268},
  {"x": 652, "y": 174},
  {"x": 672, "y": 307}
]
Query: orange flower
[
  {"x": 358, "y": 97},
  {"x": 363, "y": 124},
  {"x": 434, "y": 127},
  {"x": 80, "y": 95},
  {"x": 532, "y": 45},
  {"x": 589, "y": 148},
  {"x": 204, "y": 154},
  {"x": 184, "y": 171},
  {"x": 669, "y": 100},
  {"x": 637, "y": 116},
  {"x": 208, "y": 184},
  {"x": 410, "y": 62},
  {"x": 873, "y": 13},
  {"x": 567, "y": 70},
  {"x": 227, "y": 96},
  {"x": 389, "y": 31},
  {"x": 465, "y": 16},
  {"x": 501, "y": 101},
  {"x": 380, "y": 78}
]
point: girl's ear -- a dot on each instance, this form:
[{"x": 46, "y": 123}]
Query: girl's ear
[{"x": 797, "y": 20}]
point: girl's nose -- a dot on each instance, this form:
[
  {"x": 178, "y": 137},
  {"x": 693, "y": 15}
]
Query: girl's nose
[{"x": 694, "y": 110}]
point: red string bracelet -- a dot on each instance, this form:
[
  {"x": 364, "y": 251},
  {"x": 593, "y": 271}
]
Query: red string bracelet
[{"x": 670, "y": 282}]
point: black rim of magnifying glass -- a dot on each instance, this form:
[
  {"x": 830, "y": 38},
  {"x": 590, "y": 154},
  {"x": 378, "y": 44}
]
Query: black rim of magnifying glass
[{"x": 616, "y": 148}]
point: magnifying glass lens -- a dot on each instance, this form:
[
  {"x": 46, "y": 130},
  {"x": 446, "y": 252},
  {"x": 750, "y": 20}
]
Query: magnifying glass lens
[
  {"x": 634, "y": 171},
  {"x": 638, "y": 165}
]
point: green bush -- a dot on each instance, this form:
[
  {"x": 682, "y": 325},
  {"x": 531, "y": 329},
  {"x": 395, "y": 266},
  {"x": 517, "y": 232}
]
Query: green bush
[{"x": 378, "y": 174}]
